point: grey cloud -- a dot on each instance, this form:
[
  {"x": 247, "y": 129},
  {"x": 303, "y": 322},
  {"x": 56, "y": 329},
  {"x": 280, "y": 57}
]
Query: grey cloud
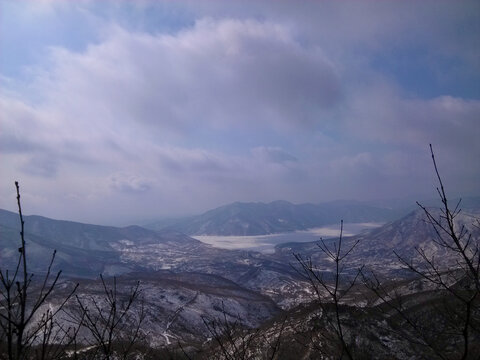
[
  {"x": 446, "y": 26},
  {"x": 40, "y": 165},
  {"x": 408, "y": 125},
  {"x": 273, "y": 154},
  {"x": 20, "y": 127},
  {"x": 129, "y": 183},
  {"x": 382, "y": 114},
  {"x": 12, "y": 144},
  {"x": 41, "y": 141},
  {"x": 195, "y": 161}
]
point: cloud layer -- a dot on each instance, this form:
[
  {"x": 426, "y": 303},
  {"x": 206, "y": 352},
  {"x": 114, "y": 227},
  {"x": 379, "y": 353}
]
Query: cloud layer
[{"x": 254, "y": 103}]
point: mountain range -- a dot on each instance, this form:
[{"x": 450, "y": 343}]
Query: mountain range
[
  {"x": 185, "y": 280},
  {"x": 257, "y": 218}
]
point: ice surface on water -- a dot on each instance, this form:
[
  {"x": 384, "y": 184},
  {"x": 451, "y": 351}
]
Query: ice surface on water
[{"x": 266, "y": 243}]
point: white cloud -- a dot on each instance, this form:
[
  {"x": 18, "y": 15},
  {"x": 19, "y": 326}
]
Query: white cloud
[{"x": 253, "y": 71}]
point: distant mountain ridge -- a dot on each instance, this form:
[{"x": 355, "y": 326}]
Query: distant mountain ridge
[
  {"x": 82, "y": 249},
  {"x": 240, "y": 219}
]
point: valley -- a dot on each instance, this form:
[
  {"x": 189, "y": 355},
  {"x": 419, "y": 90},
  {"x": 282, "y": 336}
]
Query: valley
[{"x": 252, "y": 282}]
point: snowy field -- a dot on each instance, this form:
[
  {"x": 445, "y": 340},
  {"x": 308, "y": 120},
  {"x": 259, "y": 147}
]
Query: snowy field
[{"x": 266, "y": 243}]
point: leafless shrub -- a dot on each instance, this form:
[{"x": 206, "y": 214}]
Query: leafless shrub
[
  {"x": 111, "y": 330},
  {"x": 28, "y": 326},
  {"x": 448, "y": 325},
  {"x": 330, "y": 292}
]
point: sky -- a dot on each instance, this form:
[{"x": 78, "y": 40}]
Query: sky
[{"x": 114, "y": 112}]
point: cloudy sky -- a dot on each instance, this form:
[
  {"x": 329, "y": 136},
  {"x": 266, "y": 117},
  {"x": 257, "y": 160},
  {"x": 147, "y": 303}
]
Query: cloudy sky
[{"x": 116, "y": 111}]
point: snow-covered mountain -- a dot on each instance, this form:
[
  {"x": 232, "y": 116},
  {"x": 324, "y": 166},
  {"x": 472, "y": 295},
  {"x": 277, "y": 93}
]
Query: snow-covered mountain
[
  {"x": 276, "y": 217},
  {"x": 379, "y": 249},
  {"x": 185, "y": 281}
]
